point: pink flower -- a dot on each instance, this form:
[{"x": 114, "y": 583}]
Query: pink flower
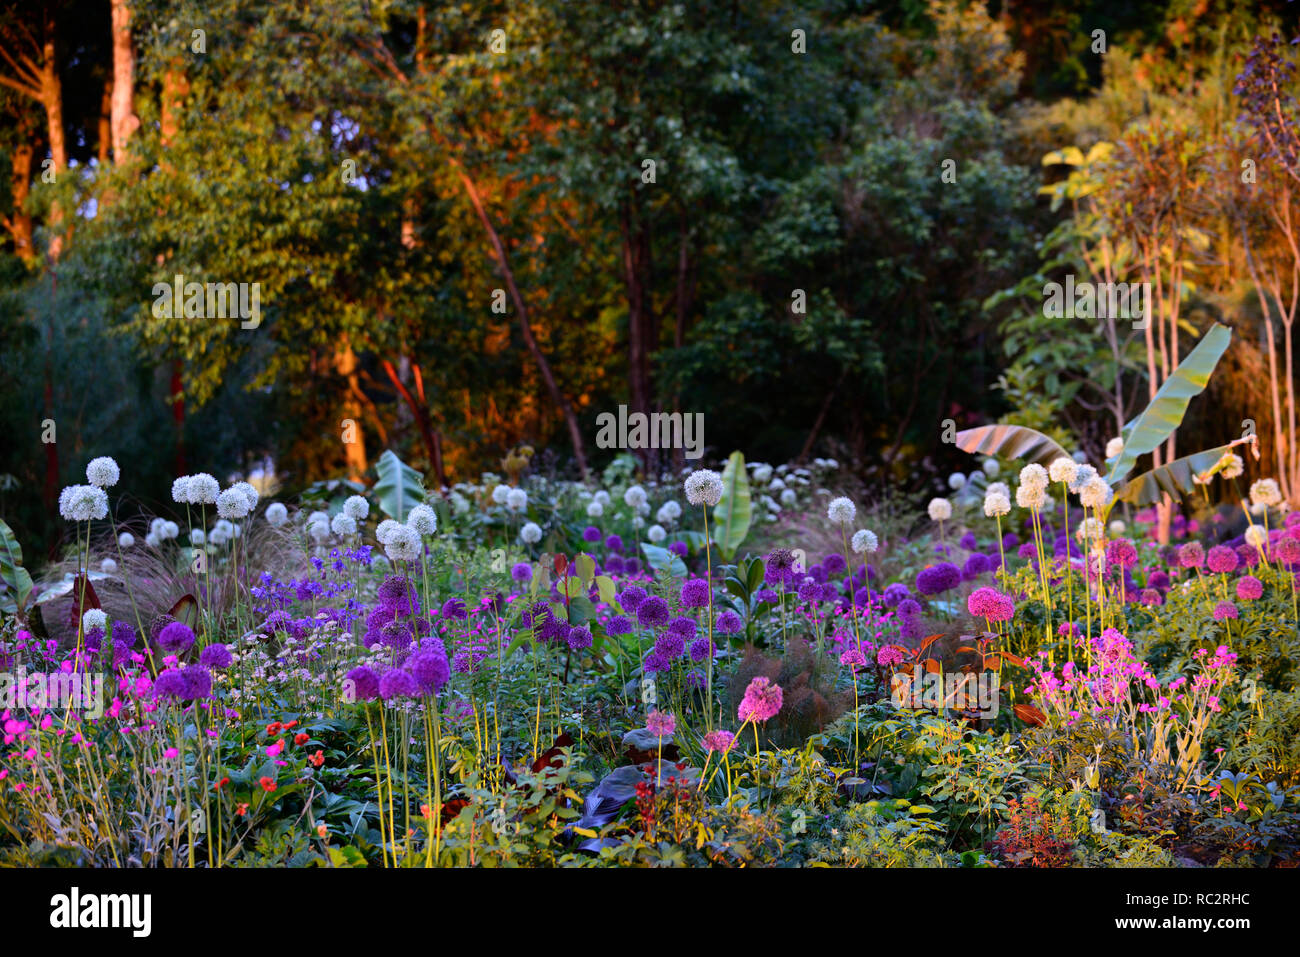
[
  {"x": 170, "y": 753},
  {"x": 719, "y": 740},
  {"x": 762, "y": 700},
  {"x": 659, "y": 724}
]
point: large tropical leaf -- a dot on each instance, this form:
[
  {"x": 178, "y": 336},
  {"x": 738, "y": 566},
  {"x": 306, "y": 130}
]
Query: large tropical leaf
[
  {"x": 732, "y": 513},
  {"x": 400, "y": 487},
  {"x": 12, "y": 573},
  {"x": 1174, "y": 478},
  {"x": 1165, "y": 413},
  {"x": 1011, "y": 442}
]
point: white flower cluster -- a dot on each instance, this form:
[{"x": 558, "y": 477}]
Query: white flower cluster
[
  {"x": 939, "y": 509},
  {"x": 703, "y": 487},
  {"x": 841, "y": 511},
  {"x": 82, "y": 503},
  {"x": 865, "y": 542}
]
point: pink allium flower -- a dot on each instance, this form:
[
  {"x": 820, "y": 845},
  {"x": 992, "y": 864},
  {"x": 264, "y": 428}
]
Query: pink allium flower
[
  {"x": 659, "y": 724},
  {"x": 762, "y": 700},
  {"x": 1224, "y": 610},
  {"x": 719, "y": 741},
  {"x": 1249, "y": 588},
  {"x": 1221, "y": 559},
  {"x": 1121, "y": 552},
  {"x": 1191, "y": 555},
  {"x": 853, "y": 658},
  {"x": 1151, "y": 597},
  {"x": 1287, "y": 550},
  {"x": 890, "y": 655}
]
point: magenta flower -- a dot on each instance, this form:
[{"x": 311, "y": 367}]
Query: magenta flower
[
  {"x": 659, "y": 724},
  {"x": 1121, "y": 552},
  {"x": 762, "y": 700},
  {"x": 719, "y": 740},
  {"x": 853, "y": 658},
  {"x": 1225, "y": 610},
  {"x": 1221, "y": 559},
  {"x": 890, "y": 655},
  {"x": 1249, "y": 588},
  {"x": 1191, "y": 555}
]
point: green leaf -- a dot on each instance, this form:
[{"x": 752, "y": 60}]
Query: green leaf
[
  {"x": 1165, "y": 413},
  {"x": 400, "y": 487},
  {"x": 605, "y": 585},
  {"x": 1174, "y": 478},
  {"x": 663, "y": 561},
  {"x": 12, "y": 573},
  {"x": 586, "y": 568},
  {"x": 1011, "y": 442},
  {"x": 732, "y": 513}
]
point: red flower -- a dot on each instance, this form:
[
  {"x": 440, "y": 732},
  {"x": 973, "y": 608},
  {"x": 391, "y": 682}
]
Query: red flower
[
  {"x": 317, "y": 759},
  {"x": 220, "y": 784},
  {"x": 273, "y": 727},
  {"x": 268, "y": 784},
  {"x": 301, "y": 738},
  {"x": 241, "y": 810},
  {"x": 290, "y": 725}
]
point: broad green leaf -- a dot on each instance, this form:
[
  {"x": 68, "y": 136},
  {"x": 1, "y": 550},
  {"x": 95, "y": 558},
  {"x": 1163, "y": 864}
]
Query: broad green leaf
[
  {"x": 605, "y": 585},
  {"x": 732, "y": 513},
  {"x": 1174, "y": 478},
  {"x": 17, "y": 578},
  {"x": 586, "y": 568},
  {"x": 400, "y": 487},
  {"x": 1165, "y": 413},
  {"x": 1011, "y": 442},
  {"x": 570, "y": 587},
  {"x": 663, "y": 561}
]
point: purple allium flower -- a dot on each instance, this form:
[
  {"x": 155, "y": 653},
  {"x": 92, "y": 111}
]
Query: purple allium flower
[
  {"x": 1191, "y": 555},
  {"x": 591, "y": 534},
  {"x": 767, "y": 596},
  {"x": 198, "y": 683},
  {"x": 1248, "y": 554},
  {"x": 631, "y": 597},
  {"x": 614, "y": 543},
  {"x": 1151, "y": 597},
  {"x": 615, "y": 564},
  {"x": 1225, "y": 610},
  {"x": 834, "y": 563},
  {"x": 684, "y": 625},
  {"x": 719, "y": 741},
  {"x": 1249, "y": 588},
  {"x": 396, "y": 594},
  {"x": 397, "y": 683},
  {"x": 454, "y": 608},
  {"x": 779, "y": 566},
  {"x": 700, "y": 649},
  {"x": 938, "y": 578},
  {"x": 396, "y": 635},
  {"x": 655, "y": 662},
  {"x": 653, "y": 611},
  {"x": 124, "y": 635},
  {"x": 853, "y": 658},
  {"x": 94, "y": 640},
  {"x": 216, "y": 655},
  {"x": 428, "y": 666},
  {"x": 175, "y": 637},
  {"x": 522, "y": 572},
  {"x": 1028, "y": 550},
  {"x": 618, "y": 625},
  {"x": 967, "y": 542},
  {"x": 659, "y": 724},
  {"x": 670, "y": 645},
  {"x": 977, "y": 563},
  {"x": 1221, "y": 559},
  {"x": 762, "y": 700},
  {"x": 169, "y": 684},
  {"x": 1285, "y": 550},
  {"x": 677, "y": 548},
  {"x": 362, "y": 682},
  {"x": 1009, "y": 540},
  {"x": 729, "y": 623},
  {"x": 1158, "y": 580},
  {"x": 695, "y": 593},
  {"x": 1121, "y": 552},
  {"x": 579, "y": 638},
  {"x": 896, "y": 593},
  {"x": 809, "y": 591}
]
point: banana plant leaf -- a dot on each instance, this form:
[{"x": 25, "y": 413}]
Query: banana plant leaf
[
  {"x": 1174, "y": 478},
  {"x": 1165, "y": 413},
  {"x": 1011, "y": 442},
  {"x": 16, "y": 578},
  {"x": 732, "y": 513},
  {"x": 400, "y": 487}
]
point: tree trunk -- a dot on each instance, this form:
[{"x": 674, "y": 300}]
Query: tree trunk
[
  {"x": 354, "y": 452},
  {"x": 124, "y": 120},
  {"x": 104, "y": 142},
  {"x": 19, "y": 223}
]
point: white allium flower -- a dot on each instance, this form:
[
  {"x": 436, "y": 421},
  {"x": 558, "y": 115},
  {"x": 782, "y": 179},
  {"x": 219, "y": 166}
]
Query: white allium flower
[
  {"x": 703, "y": 487},
  {"x": 991, "y": 468},
  {"x": 832, "y": 464},
  {"x": 602, "y": 497},
  {"x": 197, "y": 537},
  {"x": 1033, "y": 475},
  {"x": 343, "y": 525},
  {"x": 155, "y": 526},
  {"x": 531, "y": 533},
  {"x": 841, "y": 511},
  {"x": 595, "y": 509},
  {"x": 170, "y": 530},
  {"x": 500, "y": 493},
  {"x": 218, "y": 536},
  {"x": 459, "y": 503},
  {"x": 1082, "y": 476},
  {"x": 423, "y": 519},
  {"x": 386, "y": 529},
  {"x": 108, "y": 566},
  {"x": 277, "y": 514},
  {"x": 1000, "y": 487},
  {"x": 763, "y": 474},
  {"x": 1090, "y": 528},
  {"x": 1095, "y": 493},
  {"x": 249, "y": 492},
  {"x": 1063, "y": 469},
  {"x": 956, "y": 481},
  {"x": 94, "y": 618},
  {"x": 152, "y": 540},
  {"x": 656, "y": 534},
  {"x": 1235, "y": 466},
  {"x": 125, "y": 540},
  {"x": 940, "y": 509},
  {"x": 635, "y": 496},
  {"x": 1256, "y": 536},
  {"x": 517, "y": 500},
  {"x": 103, "y": 472},
  {"x": 1259, "y": 508},
  {"x": 864, "y": 542},
  {"x": 668, "y": 513},
  {"x": 181, "y": 490},
  {"x": 789, "y": 497},
  {"x": 1265, "y": 492},
  {"x": 1117, "y": 527},
  {"x": 81, "y": 503},
  {"x": 232, "y": 504},
  {"x": 638, "y": 522},
  {"x": 203, "y": 489},
  {"x": 356, "y": 508},
  {"x": 404, "y": 544},
  {"x": 1114, "y": 447},
  {"x": 776, "y": 484},
  {"x": 1031, "y": 496},
  {"x": 996, "y": 503}
]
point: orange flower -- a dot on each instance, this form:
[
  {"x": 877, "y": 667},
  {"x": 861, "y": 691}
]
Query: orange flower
[
  {"x": 317, "y": 759},
  {"x": 321, "y": 830},
  {"x": 290, "y": 725},
  {"x": 301, "y": 738},
  {"x": 241, "y": 810},
  {"x": 426, "y": 811},
  {"x": 268, "y": 784}
]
